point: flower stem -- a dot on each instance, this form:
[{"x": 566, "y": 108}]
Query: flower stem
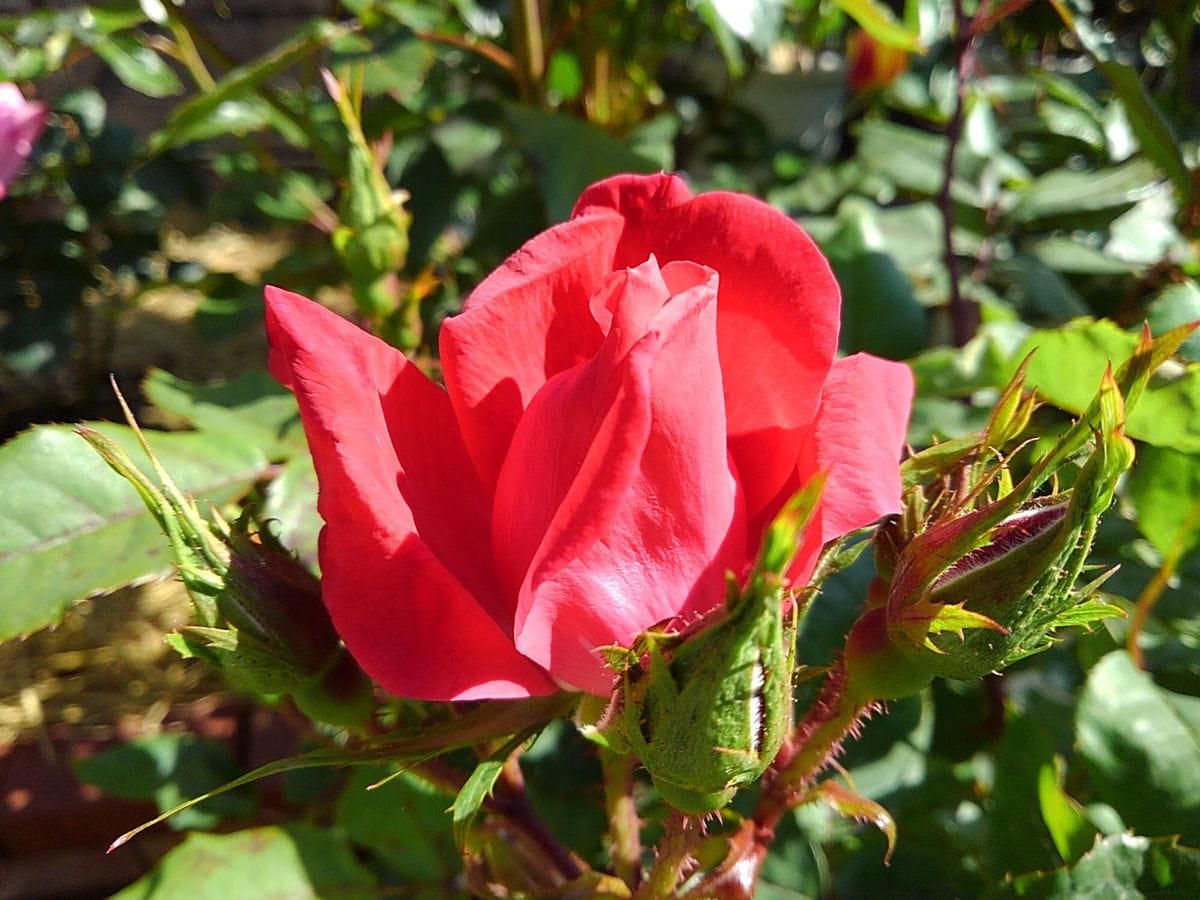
[
  {"x": 682, "y": 832},
  {"x": 624, "y": 827},
  {"x": 1154, "y": 588},
  {"x": 511, "y": 801},
  {"x": 964, "y": 315},
  {"x": 816, "y": 739}
]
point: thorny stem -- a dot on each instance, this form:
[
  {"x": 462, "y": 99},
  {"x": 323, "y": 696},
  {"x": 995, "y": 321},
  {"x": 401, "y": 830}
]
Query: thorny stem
[
  {"x": 624, "y": 827},
  {"x": 511, "y": 801},
  {"x": 682, "y": 832},
  {"x": 1153, "y": 590},
  {"x": 815, "y": 740},
  {"x": 964, "y": 315}
]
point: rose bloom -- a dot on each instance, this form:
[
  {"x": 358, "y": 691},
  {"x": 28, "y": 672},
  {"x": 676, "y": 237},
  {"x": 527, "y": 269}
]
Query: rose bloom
[
  {"x": 21, "y": 123},
  {"x": 630, "y": 398}
]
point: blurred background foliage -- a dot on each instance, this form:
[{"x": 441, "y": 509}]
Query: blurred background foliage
[{"x": 985, "y": 179}]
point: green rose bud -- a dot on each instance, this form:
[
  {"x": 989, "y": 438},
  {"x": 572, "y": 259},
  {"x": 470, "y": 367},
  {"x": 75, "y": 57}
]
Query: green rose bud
[
  {"x": 707, "y": 712},
  {"x": 708, "y": 715},
  {"x": 260, "y": 616},
  {"x": 987, "y": 582}
]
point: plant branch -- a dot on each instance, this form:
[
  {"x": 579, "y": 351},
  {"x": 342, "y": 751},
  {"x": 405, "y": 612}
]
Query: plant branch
[
  {"x": 964, "y": 315},
  {"x": 624, "y": 826},
  {"x": 511, "y": 802},
  {"x": 1153, "y": 590},
  {"x": 484, "y": 49},
  {"x": 682, "y": 832},
  {"x": 189, "y": 53}
]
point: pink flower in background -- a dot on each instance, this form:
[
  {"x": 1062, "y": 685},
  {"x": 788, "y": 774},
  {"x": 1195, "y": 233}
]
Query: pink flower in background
[
  {"x": 629, "y": 400},
  {"x": 21, "y": 123}
]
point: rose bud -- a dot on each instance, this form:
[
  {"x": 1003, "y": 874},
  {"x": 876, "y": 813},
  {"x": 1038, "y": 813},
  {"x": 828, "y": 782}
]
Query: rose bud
[
  {"x": 706, "y": 713},
  {"x": 285, "y": 641},
  {"x": 871, "y": 65},
  {"x": 261, "y": 618},
  {"x": 371, "y": 238},
  {"x": 975, "y": 592}
]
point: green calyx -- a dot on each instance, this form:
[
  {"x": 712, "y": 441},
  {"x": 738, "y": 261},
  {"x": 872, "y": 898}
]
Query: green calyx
[
  {"x": 877, "y": 668},
  {"x": 707, "y": 714}
]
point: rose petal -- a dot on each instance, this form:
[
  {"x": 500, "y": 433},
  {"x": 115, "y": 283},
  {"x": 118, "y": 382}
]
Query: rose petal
[
  {"x": 526, "y": 322},
  {"x": 645, "y": 511},
  {"x": 778, "y": 309},
  {"x": 857, "y": 440},
  {"x": 404, "y": 551}
]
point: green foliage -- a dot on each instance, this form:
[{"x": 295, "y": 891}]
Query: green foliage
[
  {"x": 253, "y": 407},
  {"x": 1142, "y": 749},
  {"x": 1067, "y": 218},
  {"x": 1118, "y": 865},
  {"x": 74, "y": 527},
  {"x": 296, "y": 860},
  {"x": 403, "y": 819},
  {"x": 169, "y": 769}
]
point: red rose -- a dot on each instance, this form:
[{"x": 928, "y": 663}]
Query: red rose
[{"x": 629, "y": 400}]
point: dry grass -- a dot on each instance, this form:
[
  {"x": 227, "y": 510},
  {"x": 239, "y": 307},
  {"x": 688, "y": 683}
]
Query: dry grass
[{"x": 104, "y": 672}]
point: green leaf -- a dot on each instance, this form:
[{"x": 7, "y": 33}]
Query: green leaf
[
  {"x": 568, "y": 155},
  {"x": 913, "y": 159},
  {"x": 849, "y": 804},
  {"x": 297, "y": 861},
  {"x": 1020, "y": 840},
  {"x": 1075, "y": 256},
  {"x": 880, "y": 311},
  {"x": 1069, "y": 191},
  {"x": 1117, "y": 866},
  {"x": 1152, "y": 128},
  {"x": 291, "y": 508},
  {"x": 74, "y": 527},
  {"x": 1070, "y": 361},
  {"x": 240, "y": 82},
  {"x": 170, "y": 768},
  {"x": 1087, "y": 613},
  {"x": 1165, "y": 489},
  {"x": 1042, "y": 289},
  {"x": 138, "y": 66},
  {"x": 1141, "y": 745},
  {"x": 922, "y": 619},
  {"x": 1069, "y": 828},
  {"x": 253, "y": 407},
  {"x": 403, "y": 819},
  {"x": 475, "y": 792},
  {"x": 878, "y": 21},
  {"x": 114, "y": 16},
  {"x": 1177, "y": 305}
]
